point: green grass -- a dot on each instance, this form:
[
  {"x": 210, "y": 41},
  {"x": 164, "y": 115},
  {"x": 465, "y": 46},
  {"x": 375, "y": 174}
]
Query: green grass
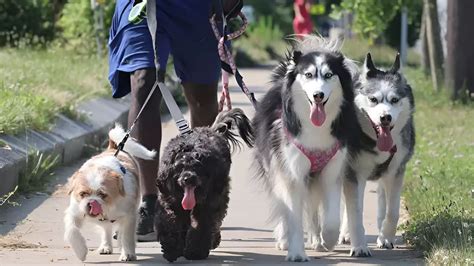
[
  {"x": 38, "y": 171},
  {"x": 37, "y": 84},
  {"x": 440, "y": 176},
  {"x": 382, "y": 55}
]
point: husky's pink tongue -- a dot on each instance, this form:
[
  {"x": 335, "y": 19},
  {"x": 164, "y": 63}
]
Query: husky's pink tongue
[
  {"x": 384, "y": 140},
  {"x": 189, "y": 201},
  {"x": 318, "y": 115},
  {"x": 96, "y": 209}
]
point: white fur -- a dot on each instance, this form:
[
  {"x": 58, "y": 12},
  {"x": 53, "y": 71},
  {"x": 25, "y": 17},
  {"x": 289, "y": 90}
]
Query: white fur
[
  {"x": 293, "y": 198},
  {"x": 131, "y": 146},
  {"x": 389, "y": 185},
  {"x": 123, "y": 211}
]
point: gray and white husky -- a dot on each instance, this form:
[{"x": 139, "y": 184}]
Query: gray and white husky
[
  {"x": 302, "y": 127},
  {"x": 385, "y": 113}
]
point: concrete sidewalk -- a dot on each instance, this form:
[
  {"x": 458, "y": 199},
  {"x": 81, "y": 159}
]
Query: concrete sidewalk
[{"x": 32, "y": 233}]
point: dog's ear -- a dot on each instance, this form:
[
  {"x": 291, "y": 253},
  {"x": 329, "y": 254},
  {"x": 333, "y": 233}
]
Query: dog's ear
[
  {"x": 72, "y": 182},
  {"x": 396, "y": 64},
  {"x": 222, "y": 127},
  {"x": 369, "y": 64},
  {"x": 296, "y": 56},
  {"x": 113, "y": 180}
]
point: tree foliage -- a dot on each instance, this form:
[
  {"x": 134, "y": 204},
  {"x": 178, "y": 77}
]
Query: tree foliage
[
  {"x": 78, "y": 26},
  {"x": 26, "y": 21},
  {"x": 372, "y": 17}
]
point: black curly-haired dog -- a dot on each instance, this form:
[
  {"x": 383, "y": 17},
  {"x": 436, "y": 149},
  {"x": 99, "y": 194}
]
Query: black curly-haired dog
[{"x": 194, "y": 184}]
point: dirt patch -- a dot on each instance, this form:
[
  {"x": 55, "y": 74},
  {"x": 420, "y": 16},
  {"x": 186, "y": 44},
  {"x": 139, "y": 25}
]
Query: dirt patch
[{"x": 10, "y": 242}]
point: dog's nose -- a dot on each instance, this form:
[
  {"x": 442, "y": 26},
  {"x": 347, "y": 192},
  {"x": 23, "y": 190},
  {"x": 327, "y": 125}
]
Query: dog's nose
[
  {"x": 318, "y": 96},
  {"x": 385, "y": 120},
  {"x": 188, "y": 180}
]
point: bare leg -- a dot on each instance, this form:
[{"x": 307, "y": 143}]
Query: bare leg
[
  {"x": 148, "y": 127},
  {"x": 202, "y": 102},
  {"x": 147, "y": 131}
]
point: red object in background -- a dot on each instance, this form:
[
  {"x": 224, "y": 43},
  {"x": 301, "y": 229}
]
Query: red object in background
[{"x": 302, "y": 23}]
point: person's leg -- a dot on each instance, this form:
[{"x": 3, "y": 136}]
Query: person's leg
[
  {"x": 147, "y": 131},
  {"x": 202, "y": 102}
]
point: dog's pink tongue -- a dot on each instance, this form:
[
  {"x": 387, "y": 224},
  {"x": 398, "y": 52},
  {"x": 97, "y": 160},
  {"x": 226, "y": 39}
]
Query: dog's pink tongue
[
  {"x": 384, "y": 141},
  {"x": 188, "y": 201},
  {"x": 318, "y": 115},
  {"x": 96, "y": 209}
]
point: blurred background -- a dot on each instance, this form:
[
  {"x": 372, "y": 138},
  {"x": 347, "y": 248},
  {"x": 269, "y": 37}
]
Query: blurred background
[{"x": 53, "y": 55}]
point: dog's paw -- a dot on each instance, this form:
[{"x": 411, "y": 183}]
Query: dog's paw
[
  {"x": 127, "y": 257},
  {"x": 81, "y": 252},
  {"x": 281, "y": 245},
  {"x": 344, "y": 239},
  {"x": 329, "y": 239},
  {"x": 105, "y": 249},
  {"x": 361, "y": 251},
  {"x": 385, "y": 243},
  {"x": 297, "y": 257},
  {"x": 196, "y": 255},
  {"x": 316, "y": 246},
  {"x": 170, "y": 257}
]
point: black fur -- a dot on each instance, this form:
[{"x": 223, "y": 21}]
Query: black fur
[
  {"x": 403, "y": 90},
  {"x": 277, "y": 103},
  {"x": 205, "y": 156}
]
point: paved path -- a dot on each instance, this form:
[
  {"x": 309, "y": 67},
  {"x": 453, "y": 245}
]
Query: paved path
[{"x": 32, "y": 233}]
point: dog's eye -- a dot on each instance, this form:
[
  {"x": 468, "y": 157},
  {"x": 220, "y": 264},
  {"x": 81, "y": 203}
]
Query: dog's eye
[
  {"x": 373, "y": 100},
  {"x": 196, "y": 156},
  {"x": 394, "y": 100},
  {"x": 101, "y": 194},
  {"x": 83, "y": 194},
  {"x": 308, "y": 75},
  {"x": 328, "y": 75}
]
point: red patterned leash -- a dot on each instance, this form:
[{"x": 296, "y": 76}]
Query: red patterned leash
[{"x": 228, "y": 63}]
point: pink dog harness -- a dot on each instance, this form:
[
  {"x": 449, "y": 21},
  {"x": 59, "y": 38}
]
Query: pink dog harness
[{"x": 318, "y": 159}]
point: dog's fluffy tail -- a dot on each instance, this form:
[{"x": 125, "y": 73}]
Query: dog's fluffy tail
[
  {"x": 234, "y": 119},
  {"x": 132, "y": 147}
]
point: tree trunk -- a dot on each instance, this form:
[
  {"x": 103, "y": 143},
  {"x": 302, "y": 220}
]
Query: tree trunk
[
  {"x": 434, "y": 42},
  {"x": 425, "y": 58},
  {"x": 459, "y": 69}
]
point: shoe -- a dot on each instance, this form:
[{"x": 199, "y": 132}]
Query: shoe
[{"x": 145, "y": 228}]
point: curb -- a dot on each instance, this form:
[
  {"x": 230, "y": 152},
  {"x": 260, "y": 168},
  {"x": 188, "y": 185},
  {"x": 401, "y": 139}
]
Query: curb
[{"x": 66, "y": 139}]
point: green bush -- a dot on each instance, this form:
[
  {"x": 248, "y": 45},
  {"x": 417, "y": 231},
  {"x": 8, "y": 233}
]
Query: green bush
[
  {"x": 262, "y": 42},
  {"x": 27, "y": 22},
  {"x": 372, "y": 17},
  {"x": 391, "y": 35},
  {"x": 77, "y": 25},
  {"x": 280, "y": 10}
]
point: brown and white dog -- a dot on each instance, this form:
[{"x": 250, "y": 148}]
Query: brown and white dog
[{"x": 105, "y": 192}]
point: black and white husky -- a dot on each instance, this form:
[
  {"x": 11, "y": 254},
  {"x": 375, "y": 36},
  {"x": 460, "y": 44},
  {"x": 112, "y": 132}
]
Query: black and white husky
[
  {"x": 385, "y": 113},
  {"x": 302, "y": 127}
]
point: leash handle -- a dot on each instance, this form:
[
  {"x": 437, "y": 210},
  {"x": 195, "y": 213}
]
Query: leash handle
[
  {"x": 178, "y": 117},
  {"x": 227, "y": 60}
]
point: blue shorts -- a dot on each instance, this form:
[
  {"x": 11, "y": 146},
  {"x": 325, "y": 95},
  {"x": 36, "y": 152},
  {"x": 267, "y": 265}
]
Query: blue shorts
[{"x": 183, "y": 31}]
